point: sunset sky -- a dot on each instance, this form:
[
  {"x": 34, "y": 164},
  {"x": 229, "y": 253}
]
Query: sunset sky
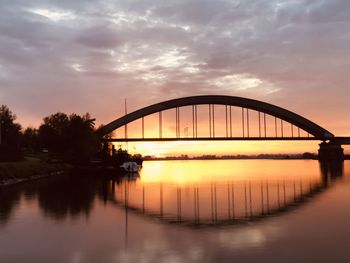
[{"x": 89, "y": 56}]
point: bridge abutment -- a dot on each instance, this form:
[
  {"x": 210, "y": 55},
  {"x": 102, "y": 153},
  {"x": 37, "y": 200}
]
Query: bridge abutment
[{"x": 330, "y": 152}]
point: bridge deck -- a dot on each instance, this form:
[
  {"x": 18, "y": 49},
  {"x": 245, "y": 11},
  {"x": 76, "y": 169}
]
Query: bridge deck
[
  {"x": 340, "y": 140},
  {"x": 212, "y": 139}
]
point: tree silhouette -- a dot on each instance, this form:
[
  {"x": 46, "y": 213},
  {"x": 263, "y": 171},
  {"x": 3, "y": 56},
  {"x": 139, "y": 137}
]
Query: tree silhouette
[
  {"x": 80, "y": 140},
  {"x": 51, "y": 132},
  {"x": 9, "y": 136},
  {"x": 73, "y": 137},
  {"x": 30, "y": 140}
]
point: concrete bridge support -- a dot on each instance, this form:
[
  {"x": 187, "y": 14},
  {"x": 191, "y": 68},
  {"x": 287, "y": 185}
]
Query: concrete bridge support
[{"x": 330, "y": 152}]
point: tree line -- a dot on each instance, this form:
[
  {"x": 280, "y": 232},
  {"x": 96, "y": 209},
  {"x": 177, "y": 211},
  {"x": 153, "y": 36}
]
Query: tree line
[{"x": 70, "y": 138}]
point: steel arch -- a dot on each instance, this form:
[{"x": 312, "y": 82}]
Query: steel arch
[{"x": 281, "y": 113}]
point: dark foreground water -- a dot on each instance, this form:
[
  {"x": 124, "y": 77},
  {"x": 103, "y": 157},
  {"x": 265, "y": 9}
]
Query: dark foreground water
[{"x": 183, "y": 211}]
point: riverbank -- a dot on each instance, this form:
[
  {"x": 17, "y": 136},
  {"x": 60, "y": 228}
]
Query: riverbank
[{"x": 29, "y": 169}]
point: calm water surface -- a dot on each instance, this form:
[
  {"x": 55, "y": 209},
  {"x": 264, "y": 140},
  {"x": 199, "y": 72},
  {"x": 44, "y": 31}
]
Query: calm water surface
[{"x": 183, "y": 211}]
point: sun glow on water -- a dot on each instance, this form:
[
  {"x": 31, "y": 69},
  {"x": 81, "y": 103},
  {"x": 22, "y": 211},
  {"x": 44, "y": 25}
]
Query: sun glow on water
[{"x": 198, "y": 172}]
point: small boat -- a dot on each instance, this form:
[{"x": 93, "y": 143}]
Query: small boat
[{"x": 131, "y": 167}]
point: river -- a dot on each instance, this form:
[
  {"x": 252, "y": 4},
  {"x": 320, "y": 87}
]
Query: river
[{"x": 182, "y": 211}]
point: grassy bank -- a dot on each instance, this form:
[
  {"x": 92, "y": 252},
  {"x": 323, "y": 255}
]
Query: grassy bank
[{"x": 28, "y": 168}]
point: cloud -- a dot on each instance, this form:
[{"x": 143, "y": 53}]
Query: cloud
[
  {"x": 88, "y": 56},
  {"x": 99, "y": 37}
]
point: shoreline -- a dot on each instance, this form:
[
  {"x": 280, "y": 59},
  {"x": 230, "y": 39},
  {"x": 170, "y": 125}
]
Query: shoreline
[
  {"x": 29, "y": 169},
  {"x": 13, "y": 181}
]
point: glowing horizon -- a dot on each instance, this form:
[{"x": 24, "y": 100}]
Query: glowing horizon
[{"x": 192, "y": 148}]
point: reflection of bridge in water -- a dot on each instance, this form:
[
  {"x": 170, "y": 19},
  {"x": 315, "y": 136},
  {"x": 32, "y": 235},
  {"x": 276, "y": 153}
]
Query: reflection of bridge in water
[
  {"x": 220, "y": 203},
  {"x": 225, "y": 118}
]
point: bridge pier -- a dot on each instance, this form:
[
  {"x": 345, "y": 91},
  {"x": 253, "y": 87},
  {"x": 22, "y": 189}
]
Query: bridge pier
[{"x": 330, "y": 152}]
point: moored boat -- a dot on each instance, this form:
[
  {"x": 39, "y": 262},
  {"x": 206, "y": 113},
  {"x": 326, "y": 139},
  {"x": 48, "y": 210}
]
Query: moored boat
[{"x": 131, "y": 167}]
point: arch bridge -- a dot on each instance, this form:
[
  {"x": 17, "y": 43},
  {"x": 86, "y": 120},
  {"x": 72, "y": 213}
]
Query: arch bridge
[{"x": 286, "y": 125}]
